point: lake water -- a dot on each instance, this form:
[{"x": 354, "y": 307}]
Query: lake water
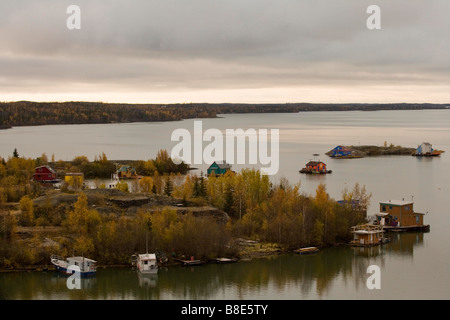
[{"x": 413, "y": 265}]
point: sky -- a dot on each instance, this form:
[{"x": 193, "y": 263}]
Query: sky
[{"x": 216, "y": 51}]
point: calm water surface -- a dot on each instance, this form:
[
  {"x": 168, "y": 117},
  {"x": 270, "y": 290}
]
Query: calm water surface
[{"x": 413, "y": 265}]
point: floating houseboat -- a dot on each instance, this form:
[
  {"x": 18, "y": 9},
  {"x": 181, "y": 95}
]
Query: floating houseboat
[
  {"x": 307, "y": 250},
  {"x": 367, "y": 235},
  {"x": 146, "y": 263},
  {"x": 315, "y": 167},
  {"x": 426, "y": 150},
  {"x": 68, "y": 266},
  {"x": 399, "y": 215}
]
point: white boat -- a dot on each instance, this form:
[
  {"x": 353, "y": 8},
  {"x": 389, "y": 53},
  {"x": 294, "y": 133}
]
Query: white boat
[
  {"x": 114, "y": 181},
  {"x": 146, "y": 263},
  {"x": 86, "y": 266}
]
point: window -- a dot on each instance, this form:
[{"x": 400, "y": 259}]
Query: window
[
  {"x": 406, "y": 208},
  {"x": 390, "y": 207},
  {"x": 417, "y": 219},
  {"x": 383, "y": 208}
]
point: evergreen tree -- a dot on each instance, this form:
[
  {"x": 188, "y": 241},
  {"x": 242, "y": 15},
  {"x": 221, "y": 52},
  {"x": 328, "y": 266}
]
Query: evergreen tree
[
  {"x": 15, "y": 153},
  {"x": 229, "y": 201},
  {"x": 168, "y": 187}
]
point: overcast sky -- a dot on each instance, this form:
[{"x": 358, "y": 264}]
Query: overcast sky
[{"x": 225, "y": 51}]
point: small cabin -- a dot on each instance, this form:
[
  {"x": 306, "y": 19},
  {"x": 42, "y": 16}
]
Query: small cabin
[
  {"x": 341, "y": 151},
  {"x": 44, "y": 174},
  {"x": 126, "y": 172},
  {"x": 218, "y": 168},
  {"x": 147, "y": 263},
  {"x": 316, "y": 166},
  {"x": 86, "y": 265},
  {"x": 367, "y": 235},
  {"x": 396, "y": 213}
]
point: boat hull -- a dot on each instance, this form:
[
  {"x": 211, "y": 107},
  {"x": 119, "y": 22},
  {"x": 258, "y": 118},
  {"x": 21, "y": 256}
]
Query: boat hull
[{"x": 70, "y": 272}]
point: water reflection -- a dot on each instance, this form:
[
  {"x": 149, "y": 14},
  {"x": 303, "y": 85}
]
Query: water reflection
[{"x": 293, "y": 276}]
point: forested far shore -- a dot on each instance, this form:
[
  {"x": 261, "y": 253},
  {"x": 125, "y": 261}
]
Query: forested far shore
[{"x": 28, "y": 113}]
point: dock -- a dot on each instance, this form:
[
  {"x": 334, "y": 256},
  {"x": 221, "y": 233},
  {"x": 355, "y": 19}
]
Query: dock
[{"x": 416, "y": 228}]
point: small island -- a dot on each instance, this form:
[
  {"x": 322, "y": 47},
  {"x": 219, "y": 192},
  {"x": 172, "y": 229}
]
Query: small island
[{"x": 348, "y": 152}]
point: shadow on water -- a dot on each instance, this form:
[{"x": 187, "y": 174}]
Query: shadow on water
[{"x": 289, "y": 276}]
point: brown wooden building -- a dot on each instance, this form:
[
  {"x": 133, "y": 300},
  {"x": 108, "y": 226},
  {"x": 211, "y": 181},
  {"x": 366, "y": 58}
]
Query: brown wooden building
[
  {"x": 396, "y": 213},
  {"x": 367, "y": 235}
]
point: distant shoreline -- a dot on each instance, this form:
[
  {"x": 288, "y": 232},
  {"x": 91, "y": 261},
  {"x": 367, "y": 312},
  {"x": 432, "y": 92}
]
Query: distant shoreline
[{"x": 28, "y": 113}]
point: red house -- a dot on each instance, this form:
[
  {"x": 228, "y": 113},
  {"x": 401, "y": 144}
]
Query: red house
[{"x": 44, "y": 174}]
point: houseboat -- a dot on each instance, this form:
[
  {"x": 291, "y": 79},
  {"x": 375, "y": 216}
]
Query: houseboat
[
  {"x": 399, "y": 215},
  {"x": 426, "y": 150},
  {"x": 367, "y": 235},
  {"x": 315, "y": 167},
  {"x": 146, "y": 263},
  {"x": 86, "y": 266}
]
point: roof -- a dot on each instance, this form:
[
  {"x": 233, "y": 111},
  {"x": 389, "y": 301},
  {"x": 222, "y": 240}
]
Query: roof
[
  {"x": 147, "y": 256},
  {"x": 47, "y": 167},
  {"x": 80, "y": 259},
  {"x": 125, "y": 168},
  {"x": 222, "y": 164},
  {"x": 396, "y": 202},
  {"x": 342, "y": 148},
  {"x": 314, "y": 163}
]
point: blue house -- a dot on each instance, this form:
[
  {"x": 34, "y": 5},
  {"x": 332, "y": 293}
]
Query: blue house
[
  {"x": 219, "y": 168},
  {"x": 341, "y": 151}
]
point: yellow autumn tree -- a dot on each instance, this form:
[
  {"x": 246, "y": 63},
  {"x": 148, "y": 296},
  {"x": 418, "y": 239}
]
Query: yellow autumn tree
[
  {"x": 146, "y": 184},
  {"x": 26, "y": 217}
]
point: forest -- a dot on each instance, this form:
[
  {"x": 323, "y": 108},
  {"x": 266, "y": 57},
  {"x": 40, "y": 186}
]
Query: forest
[
  {"x": 27, "y": 113},
  {"x": 257, "y": 208}
]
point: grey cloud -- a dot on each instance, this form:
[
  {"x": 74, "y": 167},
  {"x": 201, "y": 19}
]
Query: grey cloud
[{"x": 143, "y": 45}]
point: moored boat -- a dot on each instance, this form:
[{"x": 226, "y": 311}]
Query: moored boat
[
  {"x": 86, "y": 267},
  {"x": 307, "y": 250}
]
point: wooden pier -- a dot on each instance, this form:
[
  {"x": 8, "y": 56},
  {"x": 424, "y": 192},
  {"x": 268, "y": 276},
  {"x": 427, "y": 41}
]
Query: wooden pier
[{"x": 416, "y": 228}]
